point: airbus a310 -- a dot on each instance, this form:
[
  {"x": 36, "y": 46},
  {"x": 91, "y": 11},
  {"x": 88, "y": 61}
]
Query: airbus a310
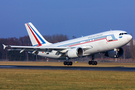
[{"x": 109, "y": 43}]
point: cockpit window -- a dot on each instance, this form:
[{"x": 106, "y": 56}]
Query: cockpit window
[{"x": 122, "y": 33}]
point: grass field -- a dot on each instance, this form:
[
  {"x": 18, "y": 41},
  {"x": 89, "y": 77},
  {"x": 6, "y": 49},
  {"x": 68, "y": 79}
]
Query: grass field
[
  {"x": 20, "y": 79},
  {"x": 25, "y": 79}
]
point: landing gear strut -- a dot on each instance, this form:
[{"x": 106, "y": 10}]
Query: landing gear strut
[{"x": 92, "y": 62}]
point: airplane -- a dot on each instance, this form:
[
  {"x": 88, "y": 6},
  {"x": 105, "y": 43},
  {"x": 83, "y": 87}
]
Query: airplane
[{"x": 109, "y": 42}]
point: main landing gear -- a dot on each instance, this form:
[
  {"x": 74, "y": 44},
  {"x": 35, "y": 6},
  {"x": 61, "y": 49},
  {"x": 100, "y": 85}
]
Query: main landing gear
[
  {"x": 67, "y": 62},
  {"x": 92, "y": 62}
]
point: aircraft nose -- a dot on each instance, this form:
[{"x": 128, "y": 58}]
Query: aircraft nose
[{"x": 129, "y": 37}]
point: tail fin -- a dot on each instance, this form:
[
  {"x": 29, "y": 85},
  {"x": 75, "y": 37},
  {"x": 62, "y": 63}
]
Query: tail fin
[{"x": 36, "y": 38}]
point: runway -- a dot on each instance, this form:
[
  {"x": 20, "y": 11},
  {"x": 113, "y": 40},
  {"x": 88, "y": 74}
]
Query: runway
[{"x": 69, "y": 68}]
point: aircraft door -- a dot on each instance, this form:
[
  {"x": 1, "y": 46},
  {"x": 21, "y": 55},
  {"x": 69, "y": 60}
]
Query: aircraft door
[{"x": 109, "y": 38}]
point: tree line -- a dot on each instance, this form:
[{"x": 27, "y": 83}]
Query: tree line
[{"x": 129, "y": 50}]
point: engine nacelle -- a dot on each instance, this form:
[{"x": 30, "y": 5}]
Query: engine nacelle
[
  {"x": 114, "y": 53},
  {"x": 75, "y": 52}
]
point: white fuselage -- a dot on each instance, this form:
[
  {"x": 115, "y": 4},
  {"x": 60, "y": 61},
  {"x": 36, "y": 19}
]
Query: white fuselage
[{"x": 95, "y": 43}]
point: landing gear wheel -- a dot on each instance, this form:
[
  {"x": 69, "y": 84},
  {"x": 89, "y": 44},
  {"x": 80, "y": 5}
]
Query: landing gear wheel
[
  {"x": 92, "y": 62},
  {"x": 67, "y": 63},
  {"x": 95, "y": 62},
  {"x": 70, "y": 63}
]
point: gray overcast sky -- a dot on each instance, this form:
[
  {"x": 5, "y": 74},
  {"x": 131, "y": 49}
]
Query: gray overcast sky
[{"x": 68, "y": 17}]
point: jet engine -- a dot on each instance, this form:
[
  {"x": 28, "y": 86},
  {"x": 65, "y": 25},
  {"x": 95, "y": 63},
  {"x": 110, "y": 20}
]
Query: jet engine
[
  {"x": 116, "y": 53},
  {"x": 75, "y": 52}
]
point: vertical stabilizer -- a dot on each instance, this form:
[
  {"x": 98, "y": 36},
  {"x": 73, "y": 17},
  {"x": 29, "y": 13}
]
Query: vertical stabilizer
[{"x": 36, "y": 38}]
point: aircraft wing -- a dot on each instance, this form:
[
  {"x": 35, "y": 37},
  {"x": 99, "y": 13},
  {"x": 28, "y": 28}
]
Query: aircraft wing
[{"x": 34, "y": 49}]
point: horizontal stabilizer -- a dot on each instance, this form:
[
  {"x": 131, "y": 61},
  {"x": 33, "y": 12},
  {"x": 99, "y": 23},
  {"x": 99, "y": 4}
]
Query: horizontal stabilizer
[{"x": 5, "y": 46}]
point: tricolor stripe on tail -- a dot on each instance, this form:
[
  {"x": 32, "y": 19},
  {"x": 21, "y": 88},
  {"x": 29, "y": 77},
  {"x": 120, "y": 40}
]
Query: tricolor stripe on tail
[{"x": 36, "y": 38}]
